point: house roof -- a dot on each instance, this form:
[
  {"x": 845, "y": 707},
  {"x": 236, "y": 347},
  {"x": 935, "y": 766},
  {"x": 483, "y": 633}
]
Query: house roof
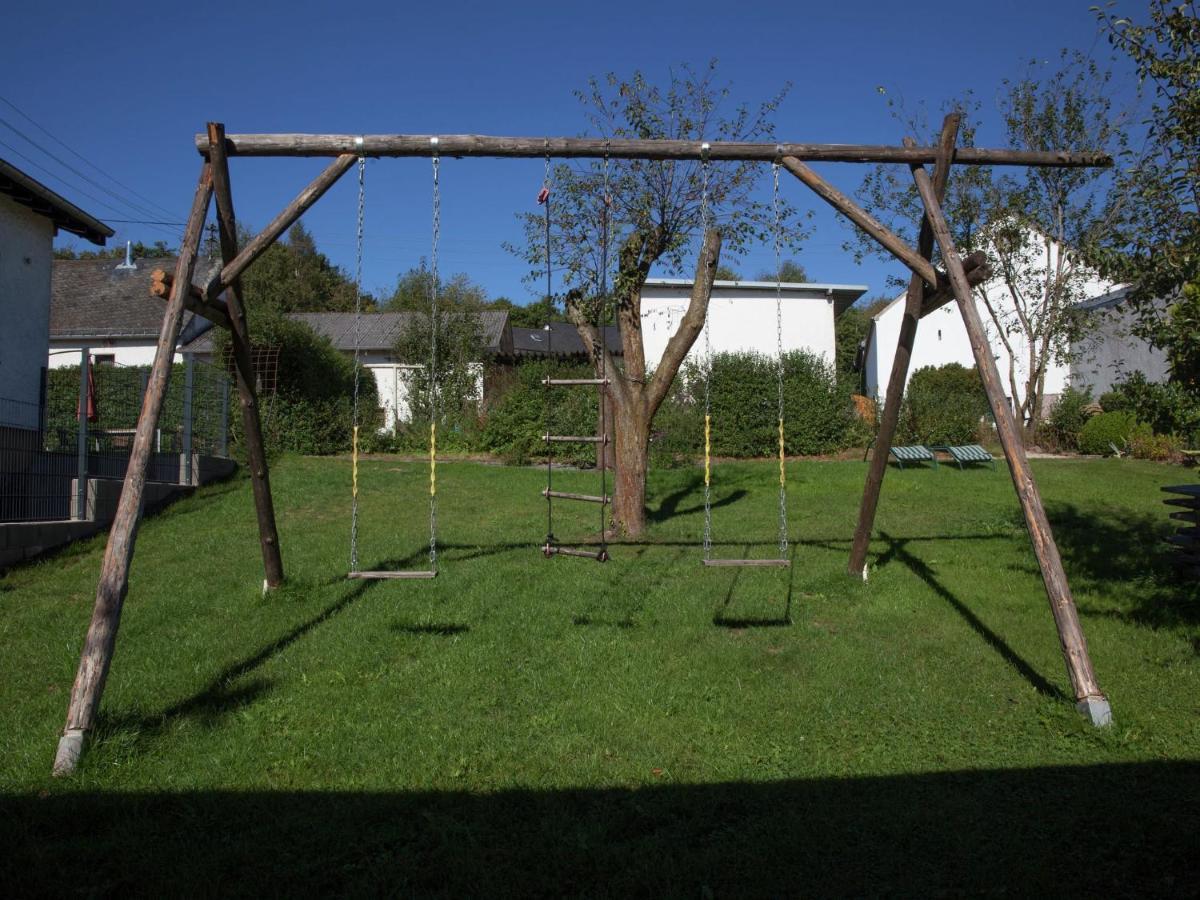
[
  {"x": 1104, "y": 301},
  {"x": 377, "y": 331},
  {"x": 843, "y": 295},
  {"x": 65, "y": 215},
  {"x": 105, "y": 298},
  {"x": 563, "y": 340}
]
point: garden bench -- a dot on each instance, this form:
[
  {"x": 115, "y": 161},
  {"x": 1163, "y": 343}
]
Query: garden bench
[{"x": 967, "y": 453}]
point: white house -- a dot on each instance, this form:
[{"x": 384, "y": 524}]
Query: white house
[
  {"x": 30, "y": 216},
  {"x": 376, "y": 335},
  {"x": 942, "y": 338},
  {"x": 741, "y": 316},
  {"x": 105, "y": 305},
  {"x": 1109, "y": 351}
]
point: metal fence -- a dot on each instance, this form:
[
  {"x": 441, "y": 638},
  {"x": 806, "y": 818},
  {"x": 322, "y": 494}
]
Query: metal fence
[{"x": 83, "y": 427}]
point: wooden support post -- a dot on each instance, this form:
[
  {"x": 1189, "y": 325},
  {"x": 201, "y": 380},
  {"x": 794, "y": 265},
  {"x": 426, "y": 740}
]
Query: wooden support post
[
  {"x": 114, "y": 573},
  {"x": 895, "y": 389},
  {"x": 1089, "y": 699},
  {"x": 260, "y": 476},
  {"x": 194, "y": 300},
  {"x": 264, "y": 239}
]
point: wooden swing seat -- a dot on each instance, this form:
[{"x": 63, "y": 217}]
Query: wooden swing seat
[{"x": 384, "y": 575}]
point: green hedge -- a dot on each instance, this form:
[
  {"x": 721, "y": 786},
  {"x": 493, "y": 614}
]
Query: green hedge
[
  {"x": 1167, "y": 408},
  {"x": 943, "y": 405},
  {"x": 1107, "y": 430},
  {"x": 517, "y": 421},
  {"x": 818, "y": 414}
]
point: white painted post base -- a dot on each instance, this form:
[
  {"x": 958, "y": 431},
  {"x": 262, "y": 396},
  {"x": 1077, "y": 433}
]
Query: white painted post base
[
  {"x": 1096, "y": 710},
  {"x": 70, "y": 748}
]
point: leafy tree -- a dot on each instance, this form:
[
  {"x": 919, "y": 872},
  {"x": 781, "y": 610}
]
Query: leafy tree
[
  {"x": 412, "y": 291},
  {"x": 789, "y": 271},
  {"x": 1158, "y": 246},
  {"x": 293, "y": 276},
  {"x": 532, "y": 315},
  {"x": 725, "y": 273},
  {"x": 453, "y": 400},
  {"x": 157, "y": 250},
  {"x": 1039, "y": 226},
  {"x": 850, "y": 330},
  {"x": 651, "y": 211}
]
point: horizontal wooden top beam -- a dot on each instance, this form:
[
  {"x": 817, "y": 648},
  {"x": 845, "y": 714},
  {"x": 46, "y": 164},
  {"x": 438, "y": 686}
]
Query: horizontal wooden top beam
[{"x": 376, "y": 145}]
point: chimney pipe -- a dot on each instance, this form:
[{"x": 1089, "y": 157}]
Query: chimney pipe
[{"x": 129, "y": 263}]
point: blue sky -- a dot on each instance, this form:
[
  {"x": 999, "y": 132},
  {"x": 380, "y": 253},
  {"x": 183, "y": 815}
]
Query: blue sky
[{"x": 127, "y": 85}]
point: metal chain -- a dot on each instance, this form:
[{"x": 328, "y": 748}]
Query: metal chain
[
  {"x": 547, "y": 398},
  {"x": 434, "y": 405},
  {"x": 783, "y": 524},
  {"x": 708, "y": 362},
  {"x": 358, "y": 280},
  {"x": 601, "y": 317}
]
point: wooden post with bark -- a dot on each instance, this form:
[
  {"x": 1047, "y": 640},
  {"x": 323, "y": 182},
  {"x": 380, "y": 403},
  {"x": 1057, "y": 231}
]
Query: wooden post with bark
[
  {"x": 1088, "y": 697},
  {"x": 101, "y": 638},
  {"x": 260, "y": 478},
  {"x": 895, "y": 389}
]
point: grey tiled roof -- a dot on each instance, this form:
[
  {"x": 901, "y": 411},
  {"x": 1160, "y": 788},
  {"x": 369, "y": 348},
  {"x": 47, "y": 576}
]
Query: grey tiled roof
[
  {"x": 376, "y": 331},
  {"x": 95, "y": 298},
  {"x": 564, "y": 340}
]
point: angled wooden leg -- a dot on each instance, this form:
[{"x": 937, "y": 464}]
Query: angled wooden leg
[
  {"x": 1088, "y": 696},
  {"x": 895, "y": 389},
  {"x": 101, "y": 638},
  {"x": 260, "y": 476}
]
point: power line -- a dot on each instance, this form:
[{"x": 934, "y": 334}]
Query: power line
[
  {"x": 77, "y": 155},
  {"x": 74, "y": 187},
  {"x": 137, "y": 209}
]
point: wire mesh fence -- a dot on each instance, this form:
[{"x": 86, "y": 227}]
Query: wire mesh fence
[{"x": 83, "y": 429}]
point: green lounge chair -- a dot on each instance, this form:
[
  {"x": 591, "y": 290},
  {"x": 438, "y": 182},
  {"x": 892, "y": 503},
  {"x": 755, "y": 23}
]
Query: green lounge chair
[
  {"x": 915, "y": 453},
  {"x": 968, "y": 453}
]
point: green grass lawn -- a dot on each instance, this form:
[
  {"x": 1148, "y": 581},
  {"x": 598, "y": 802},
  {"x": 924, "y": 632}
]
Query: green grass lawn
[{"x": 530, "y": 726}]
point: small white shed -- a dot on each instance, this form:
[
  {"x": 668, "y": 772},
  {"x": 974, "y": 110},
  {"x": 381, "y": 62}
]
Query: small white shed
[{"x": 742, "y": 316}]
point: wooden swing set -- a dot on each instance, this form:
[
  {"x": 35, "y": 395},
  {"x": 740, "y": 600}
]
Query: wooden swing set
[{"x": 220, "y": 301}]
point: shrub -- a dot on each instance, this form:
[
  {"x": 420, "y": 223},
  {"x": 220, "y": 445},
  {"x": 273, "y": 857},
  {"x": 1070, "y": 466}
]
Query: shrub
[
  {"x": 517, "y": 421},
  {"x": 1105, "y": 431},
  {"x": 1060, "y": 430},
  {"x": 1167, "y": 408},
  {"x": 1144, "y": 444},
  {"x": 312, "y": 408},
  {"x": 819, "y": 414},
  {"x": 943, "y": 405}
]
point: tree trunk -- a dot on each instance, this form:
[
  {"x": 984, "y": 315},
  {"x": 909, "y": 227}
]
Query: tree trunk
[{"x": 631, "y": 455}]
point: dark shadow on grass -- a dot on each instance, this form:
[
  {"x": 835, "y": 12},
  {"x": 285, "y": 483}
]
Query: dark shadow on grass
[
  {"x": 722, "y": 618},
  {"x": 898, "y": 551},
  {"x": 669, "y": 507},
  {"x": 436, "y": 629},
  {"x": 1011, "y": 832},
  {"x": 1125, "y": 547},
  {"x": 221, "y": 696}
]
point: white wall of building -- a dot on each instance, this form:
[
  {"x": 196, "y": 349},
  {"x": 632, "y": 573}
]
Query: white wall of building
[
  {"x": 942, "y": 338},
  {"x": 1110, "y": 352},
  {"x": 26, "y": 241},
  {"x": 741, "y": 318},
  {"x": 124, "y": 352}
]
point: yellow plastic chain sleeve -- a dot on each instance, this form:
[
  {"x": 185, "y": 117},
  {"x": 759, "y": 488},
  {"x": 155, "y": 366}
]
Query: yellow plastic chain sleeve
[
  {"x": 354, "y": 464},
  {"x": 432, "y": 459},
  {"x": 707, "y": 448},
  {"x": 782, "y": 481}
]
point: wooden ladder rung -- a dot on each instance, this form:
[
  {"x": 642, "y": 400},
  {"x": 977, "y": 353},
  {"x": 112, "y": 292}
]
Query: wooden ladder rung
[
  {"x": 574, "y": 439},
  {"x": 782, "y": 563},
  {"x": 1186, "y": 502},
  {"x": 572, "y": 381},
  {"x": 1186, "y": 516},
  {"x": 588, "y": 498},
  {"x": 555, "y": 550},
  {"x": 382, "y": 576}
]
